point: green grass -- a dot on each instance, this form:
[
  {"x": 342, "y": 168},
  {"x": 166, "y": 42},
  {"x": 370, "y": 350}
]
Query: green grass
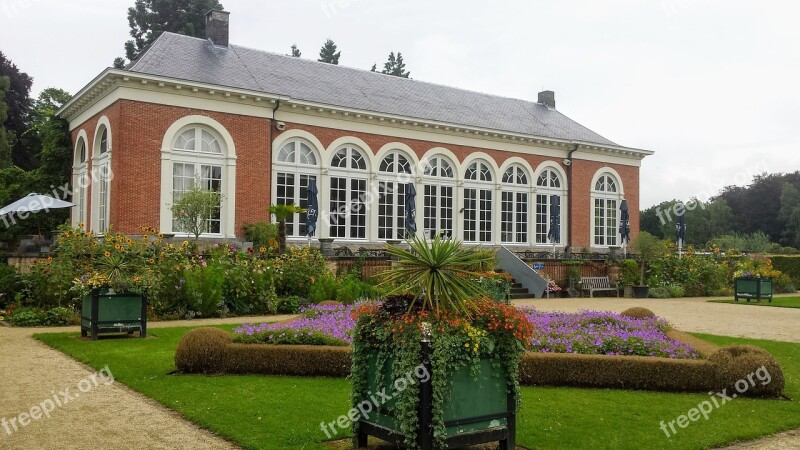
[
  {"x": 780, "y": 302},
  {"x": 262, "y": 412}
]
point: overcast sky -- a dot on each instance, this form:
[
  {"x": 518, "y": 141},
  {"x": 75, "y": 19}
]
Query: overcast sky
[{"x": 711, "y": 86}]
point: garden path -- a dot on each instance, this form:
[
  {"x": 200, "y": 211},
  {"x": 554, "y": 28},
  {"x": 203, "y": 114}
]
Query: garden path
[{"x": 106, "y": 416}]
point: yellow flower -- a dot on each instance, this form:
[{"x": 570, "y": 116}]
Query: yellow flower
[
  {"x": 128, "y": 241},
  {"x": 151, "y": 261},
  {"x": 107, "y": 254},
  {"x": 262, "y": 249},
  {"x": 116, "y": 247},
  {"x": 185, "y": 243},
  {"x": 161, "y": 235},
  {"x": 81, "y": 225}
]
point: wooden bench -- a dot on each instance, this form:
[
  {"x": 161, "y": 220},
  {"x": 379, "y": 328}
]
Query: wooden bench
[
  {"x": 593, "y": 284},
  {"x": 753, "y": 289}
]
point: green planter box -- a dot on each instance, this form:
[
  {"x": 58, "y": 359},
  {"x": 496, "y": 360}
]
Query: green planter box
[
  {"x": 752, "y": 289},
  {"x": 106, "y": 312},
  {"x": 480, "y": 408}
]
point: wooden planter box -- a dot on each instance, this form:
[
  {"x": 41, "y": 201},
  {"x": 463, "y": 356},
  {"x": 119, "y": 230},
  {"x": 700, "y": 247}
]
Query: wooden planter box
[
  {"x": 479, "y": 410},
  {"x": 752, "y": 289},
  {"x": 104, "y": 312}
]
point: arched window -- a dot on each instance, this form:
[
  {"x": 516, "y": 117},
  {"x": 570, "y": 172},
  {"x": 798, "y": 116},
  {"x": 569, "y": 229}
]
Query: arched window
[
  {"x": 198, "y": 158},
  {"x": 548, "y": 184},
  {"x": 348, "y": 208},
  {"x": 514, "y": 206},
  {"x": 605, "y": 201},
  {"x": 80, "y": 182},
  {"x": 439, "y": 186},
  {"x": 478, "y": 202},
  {"x": 101, "y": 171},
  {"x": 296, "y": 167},
  {"x": 394, "y": 175}
]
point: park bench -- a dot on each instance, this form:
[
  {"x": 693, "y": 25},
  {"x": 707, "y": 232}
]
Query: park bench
[
  {"x": 593, "y": 284},
  {"x": 753, "y": 289}
]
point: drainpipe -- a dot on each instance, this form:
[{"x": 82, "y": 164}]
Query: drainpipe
[{"x": 568, "y": 248}]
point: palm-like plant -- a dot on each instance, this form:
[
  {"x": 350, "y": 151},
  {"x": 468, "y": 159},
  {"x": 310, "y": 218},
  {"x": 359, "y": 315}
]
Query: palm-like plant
[
  {"x": 283, "y": 213},
  {"x": 441, "y": 274}
]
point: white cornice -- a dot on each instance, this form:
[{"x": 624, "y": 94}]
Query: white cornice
[{"x": 111, "y": 78}]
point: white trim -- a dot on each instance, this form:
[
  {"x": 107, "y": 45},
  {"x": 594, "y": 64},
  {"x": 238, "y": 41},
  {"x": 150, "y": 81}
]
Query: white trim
[
  {"x": 98, "y": 162},
  {"x": 293, "y": 134},
  {"x": 227, "y": 160},
  {"x": 617, "y": 196},
  {"x": 79, "y": 186}
]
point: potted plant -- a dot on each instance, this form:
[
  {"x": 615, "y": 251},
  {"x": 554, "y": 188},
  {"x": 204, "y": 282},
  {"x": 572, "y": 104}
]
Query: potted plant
[
  {"x": 648, "y": 248},
  {"x": 447, "y": 356},
  {"x": 113, "y": 293}
]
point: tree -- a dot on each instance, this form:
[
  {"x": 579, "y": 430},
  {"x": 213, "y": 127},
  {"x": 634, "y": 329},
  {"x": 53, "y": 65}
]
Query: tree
[
  {"x": 395, "y": 66},
  {"x": 790, "y": 214},
  {"x": 5, "y": 142},
  {"x": 53, "y": 133},
  {"x": 195, "y": 208},
  {"x": 328, "y": 53},
  {"x": 648, "y": 247},
  {"x": 119, "y": 62},
  {"x": 296, "y": 53},
  {"x": 283, "y": 213},
  {"x": 374, "y": 68},
  {"x": 19, "y": 105},
  {"x": 149, "y": 18}
]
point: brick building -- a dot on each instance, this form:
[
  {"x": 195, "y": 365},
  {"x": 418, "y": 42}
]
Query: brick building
[{"x": 260, "y": 127}]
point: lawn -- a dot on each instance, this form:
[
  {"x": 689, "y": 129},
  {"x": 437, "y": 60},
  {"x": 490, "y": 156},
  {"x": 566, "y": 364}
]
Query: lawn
[
  {"x": 780, "y": 302},
  {"x": 261, "y": 412}
]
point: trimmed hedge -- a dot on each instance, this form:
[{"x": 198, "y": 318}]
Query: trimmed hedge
[
  {"x": 790, "y": 265},
  {"x": 638, "y": 313},
  {"x": 212, "y": 351}
]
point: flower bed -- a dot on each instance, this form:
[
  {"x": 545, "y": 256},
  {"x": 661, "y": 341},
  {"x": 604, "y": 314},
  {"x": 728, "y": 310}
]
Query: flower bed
[{"x": 587, "y": 332}]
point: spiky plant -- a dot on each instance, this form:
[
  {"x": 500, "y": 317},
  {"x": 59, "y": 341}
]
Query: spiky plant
[
  {"x": 283, "y": 213},
  {"x": 440, "y": 274}
]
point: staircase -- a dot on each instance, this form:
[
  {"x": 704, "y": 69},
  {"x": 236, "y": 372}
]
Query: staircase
[{"x": 518, "y": 291}]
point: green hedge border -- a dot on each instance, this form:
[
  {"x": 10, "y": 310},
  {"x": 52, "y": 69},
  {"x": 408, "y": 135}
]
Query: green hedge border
[{"x": 212, "y": 351}]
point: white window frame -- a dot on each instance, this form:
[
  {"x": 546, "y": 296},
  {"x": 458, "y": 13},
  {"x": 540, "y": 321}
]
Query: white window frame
[
  {"x": 518, "y": 206},
  {"x": 226, "y": 160},
  {"x": 547, "y": 191},
  {"x": 605, "y": 202},
  {"x": 436, "y": 213},
  {"x": 80, "y": 180},
  {"x": 298, "y": 170},
  {"x": 102, "y": 176},
  {"x": 483, "y": 192},
  {"x": 349, "y": 209},
  {"x": 391, "y": 186}
]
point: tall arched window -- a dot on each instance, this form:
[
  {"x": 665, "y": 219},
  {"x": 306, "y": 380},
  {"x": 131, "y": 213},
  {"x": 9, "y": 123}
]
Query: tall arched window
[
  {"x": 348, "y": 208},
  {"x": 514, "y": 206},
  {"x": 478, "y": 202},
  {"x": 80, "y": 182},
  {"x": 438, "y": 195},
  {"x": 394, "y": 174},
  {"x": 198, "y": 157},
  {"x": 101, "y": 172},
  {"x": 605, "y": 201},
  {"x": 548, "y": 184},
  {"x": 296, "y": 167}
]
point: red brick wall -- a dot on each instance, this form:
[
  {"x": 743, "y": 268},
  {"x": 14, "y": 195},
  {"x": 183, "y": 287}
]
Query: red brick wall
[{"x": 138, "y": 129}]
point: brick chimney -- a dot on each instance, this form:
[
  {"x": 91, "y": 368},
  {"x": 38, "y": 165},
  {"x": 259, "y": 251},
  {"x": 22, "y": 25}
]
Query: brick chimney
[
  {"x": 548, "y": 98},
  {"x": 217, "y": 27}
]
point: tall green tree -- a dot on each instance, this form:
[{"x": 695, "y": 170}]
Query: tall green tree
[
  {"x": 149, "y": 18},
  {"x": 328, "y": 53},
  {"x": 53, "y": 133},
  {"x": 5, "y": 141},
  {"x": 19, "y": 105},
  {"x": 790, "y": 214},
  {"x": 395, "y": 66},
  {"x": 296, "y": 53}
]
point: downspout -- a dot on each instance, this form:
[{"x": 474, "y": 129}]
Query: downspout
[{"x": 568, "y": 248}]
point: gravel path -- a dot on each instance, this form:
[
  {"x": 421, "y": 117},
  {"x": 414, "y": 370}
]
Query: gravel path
[
  {"x": 113, "y": 416},
  {"x": 105, "y": 416}
]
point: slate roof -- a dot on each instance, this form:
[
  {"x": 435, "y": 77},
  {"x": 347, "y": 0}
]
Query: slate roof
[{"x": 193, "y": 59}]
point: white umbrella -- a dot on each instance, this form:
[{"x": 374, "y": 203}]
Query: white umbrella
[{"x": 34, "y": 202}]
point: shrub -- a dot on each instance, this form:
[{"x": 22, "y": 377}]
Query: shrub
[
  {"x": 203, "y": 289},
  {"x": 736, "y": 363},
  {"x": 60, "y": 316},
  {"x": 351, "y": 288},
  {"x": 288, "y": 336},
  {"x": 322, "y": 289},
  {"x": 261, "y": 234},
  {"x": 630, "y": 273},
  {"x": 26, "y": 317},
  {"x": 783, "y": 284},
  {"x": 789, "y": 265},
  {"x": 675, "y": 290},
  {"x": 638, "y": 313},
  {"x": 203, "y": 351},
  {"x": 9, "y": 284},
  {"x": 296, "y": 360},
  {"x": 659, "y": 292},
  {"x": 289, "y": 305},
  {"x": 299, "y": 266}
]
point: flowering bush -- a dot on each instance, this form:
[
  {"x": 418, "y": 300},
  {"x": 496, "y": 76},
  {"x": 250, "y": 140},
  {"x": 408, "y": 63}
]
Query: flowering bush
[
  {"x": 299, "y": 267},
  {"x": 699, "y": 275},
  {"x": 318, "y": 325},
  {"x": 755, "y": 268}
]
